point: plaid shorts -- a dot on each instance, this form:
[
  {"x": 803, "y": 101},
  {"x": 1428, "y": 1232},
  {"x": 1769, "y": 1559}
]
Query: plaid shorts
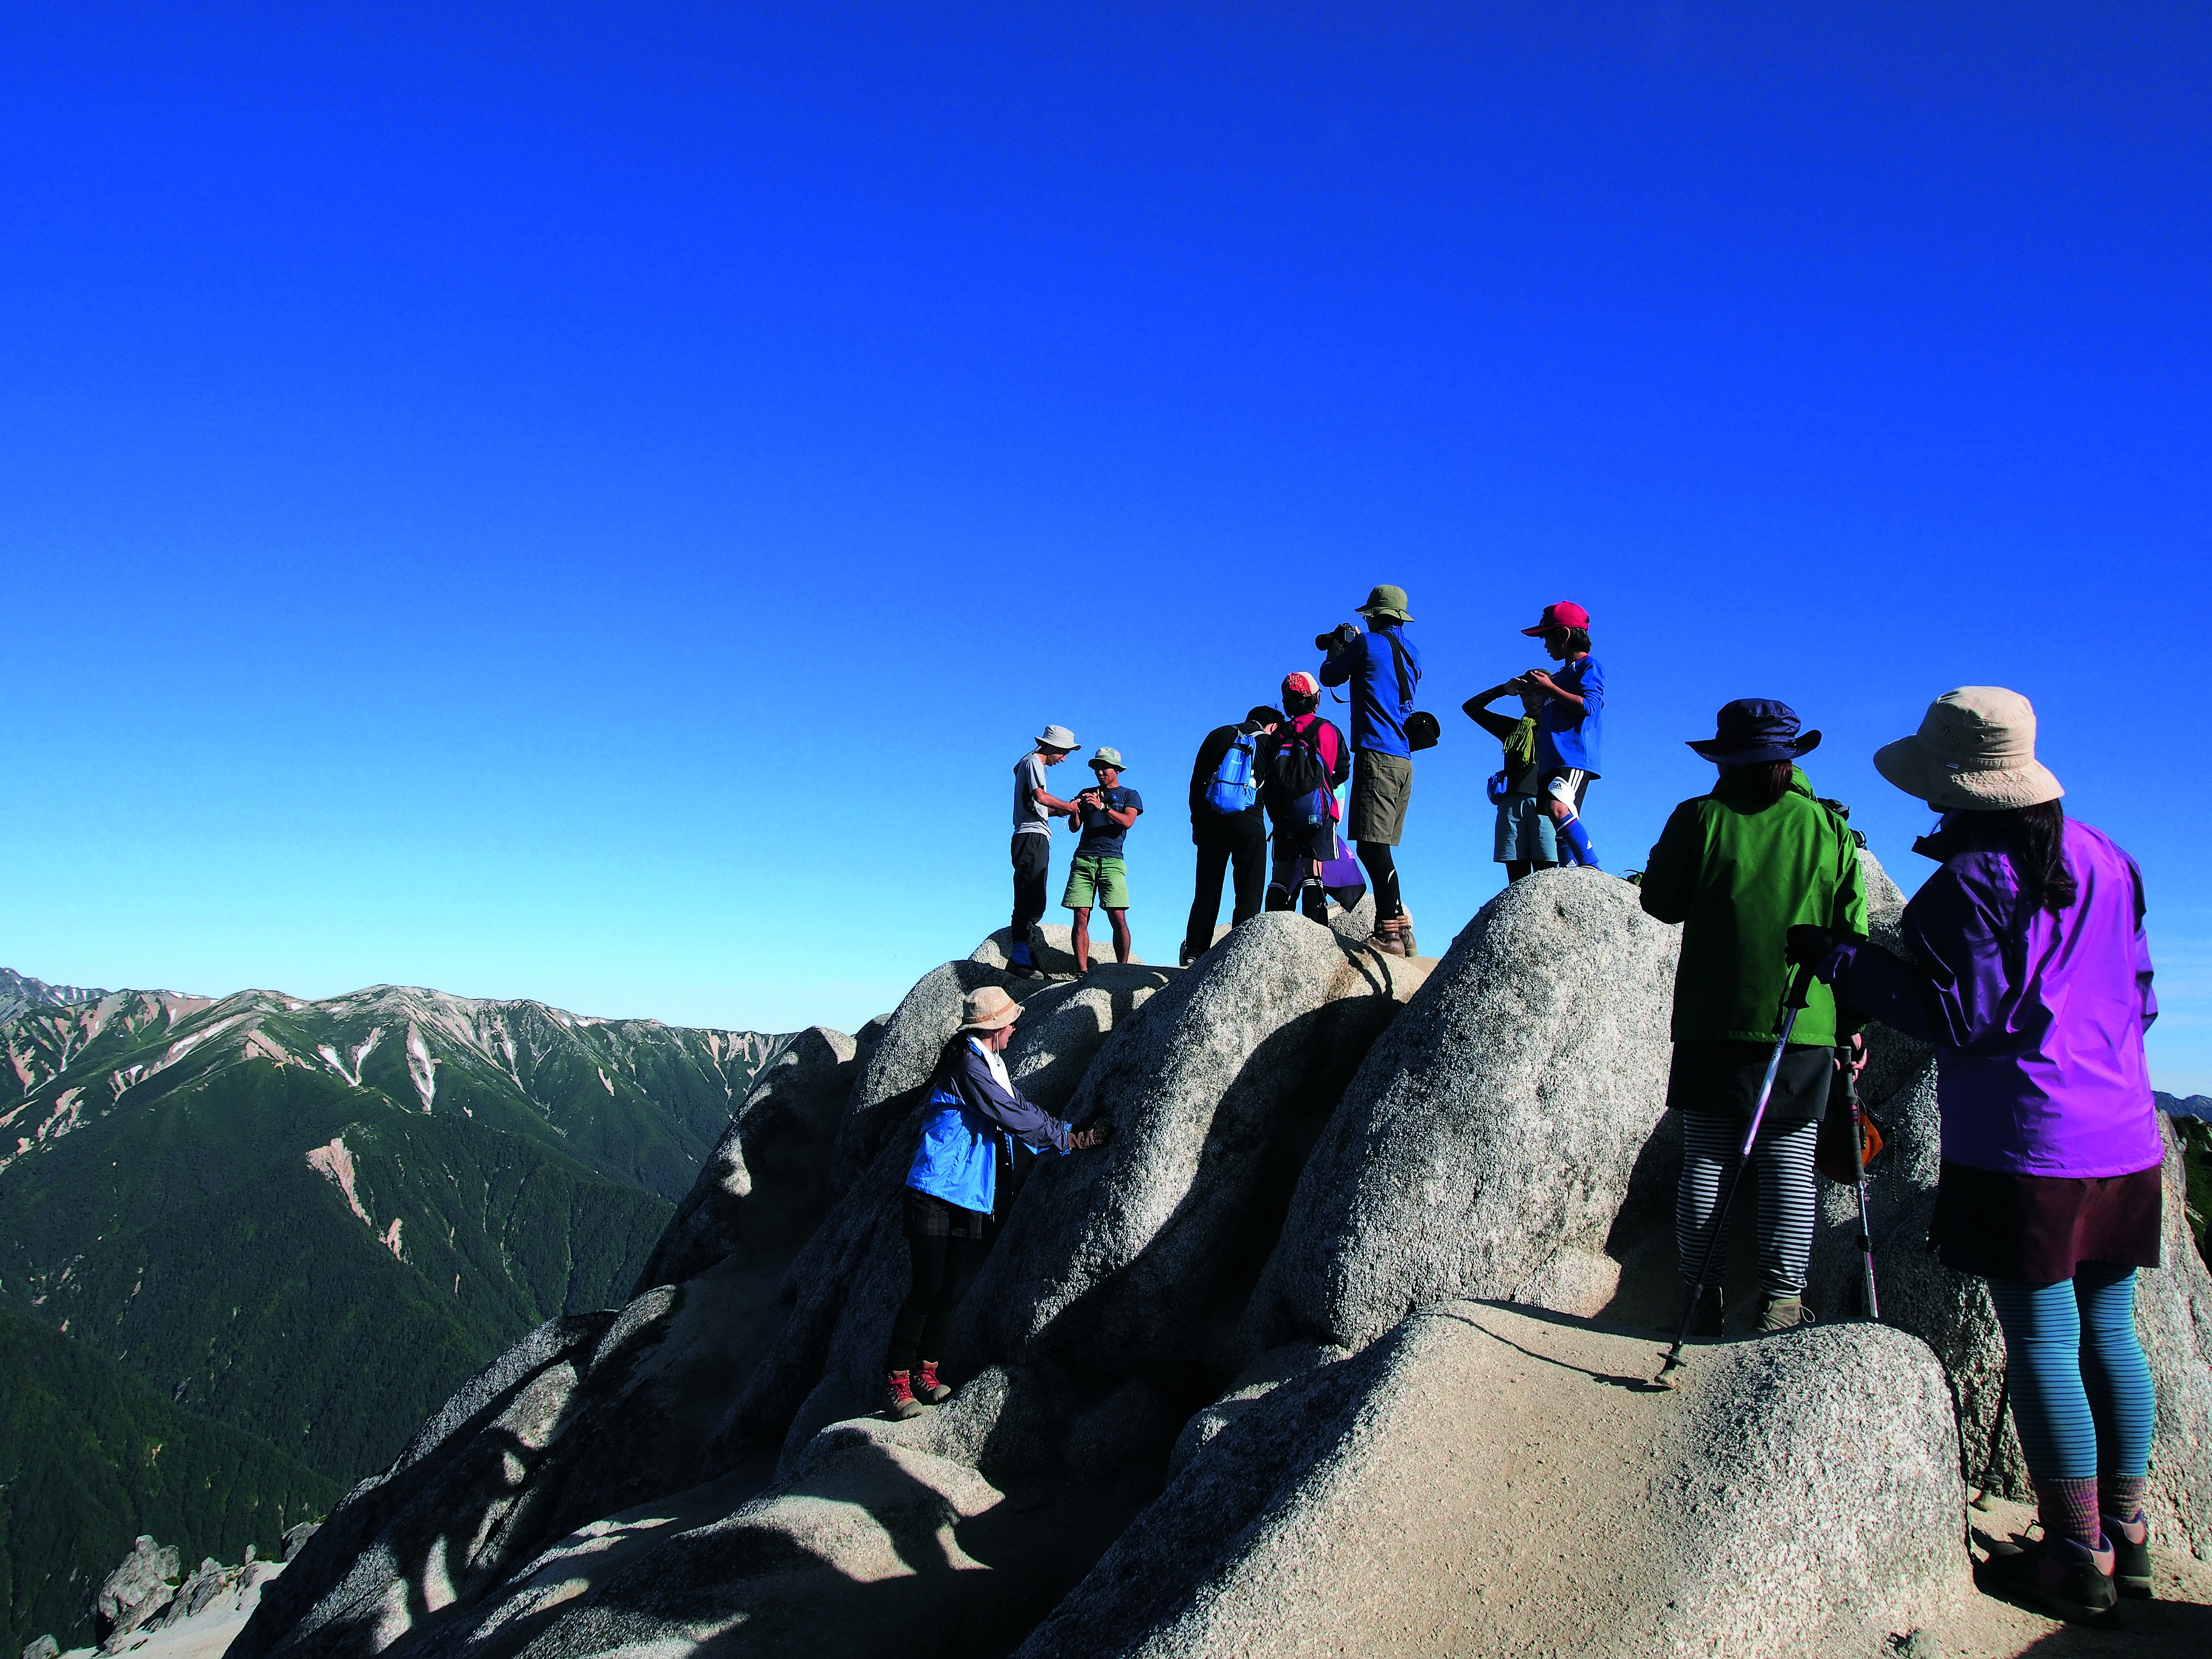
[{"x": 928, "y": 1216}]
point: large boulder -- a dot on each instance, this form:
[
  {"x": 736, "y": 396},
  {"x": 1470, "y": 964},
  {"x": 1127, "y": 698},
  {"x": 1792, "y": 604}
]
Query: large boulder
[
  {"x": 766, "y": 1182},
  {"x": 844, "y": 1284},
  {"x": 1482, "y": 1479},
  {"x": 142, "y": 1586},
  {"x": 1488, "y": 1142}
]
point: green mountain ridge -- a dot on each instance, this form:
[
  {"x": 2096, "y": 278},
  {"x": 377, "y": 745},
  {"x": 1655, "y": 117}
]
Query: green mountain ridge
[
  {"x": 91, "y": 1455},
  {"x": 308, "y": 1222}
]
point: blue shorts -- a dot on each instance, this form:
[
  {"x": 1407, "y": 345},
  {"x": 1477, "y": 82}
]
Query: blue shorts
[{"x": 1525, "y": 832}]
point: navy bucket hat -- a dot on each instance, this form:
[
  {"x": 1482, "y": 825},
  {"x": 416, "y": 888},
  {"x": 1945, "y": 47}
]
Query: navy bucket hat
[{"x": 1754, "y": 731}]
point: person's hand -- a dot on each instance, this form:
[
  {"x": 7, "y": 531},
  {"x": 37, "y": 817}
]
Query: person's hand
[
  {"x": 1084, "y": 1140},
  {"x": 1856, "y": 1044},
  {"x": 1806, "y": 942},
  {"x": 1537, "y": 679}
]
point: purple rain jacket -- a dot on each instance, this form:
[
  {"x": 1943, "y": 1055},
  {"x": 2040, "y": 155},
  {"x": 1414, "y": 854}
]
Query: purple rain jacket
[{"x": 2036, "y": 1020}]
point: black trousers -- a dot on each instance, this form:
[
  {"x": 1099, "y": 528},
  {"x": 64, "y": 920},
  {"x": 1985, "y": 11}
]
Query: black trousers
[
  {"x": 1032, "y": 861},
  {"x": 1221, "y": 839},
  {"x": 944, "y": 1268}
]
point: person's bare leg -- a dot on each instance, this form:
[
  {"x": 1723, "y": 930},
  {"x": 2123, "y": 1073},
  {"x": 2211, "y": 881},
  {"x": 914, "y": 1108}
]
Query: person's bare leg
[
  {"x": 1078, "y": 933},
  {"x": 1119, "y": 921}
]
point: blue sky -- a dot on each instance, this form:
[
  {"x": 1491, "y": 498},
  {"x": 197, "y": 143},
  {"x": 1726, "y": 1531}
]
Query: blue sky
[{"x": 589, "y": 502}]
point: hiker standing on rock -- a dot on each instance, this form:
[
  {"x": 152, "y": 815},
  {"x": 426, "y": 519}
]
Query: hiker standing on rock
[
  {"x": 1301, "y": 763},
  {"x": 1569, "y": 722},
  {"x": 2031, "y": 978},
  {"x": 1099, "y": 874},
  {"x": 1383, "y": 667},
  {"x": 1034, "y": 808},
  {"x": 1739, "y": 868},
  {"x": 1526, "y": 840},
  {"x": 1226, "y": 823},
  {"x": 954, "y": 1189}
]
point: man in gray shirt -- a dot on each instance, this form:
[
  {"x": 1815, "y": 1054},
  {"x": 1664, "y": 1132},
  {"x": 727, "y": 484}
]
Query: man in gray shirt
[{"x": 1034, "y": 807}]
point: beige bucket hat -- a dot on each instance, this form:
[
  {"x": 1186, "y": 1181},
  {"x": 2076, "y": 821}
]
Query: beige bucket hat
[
  {"x": 1974, "y": 752},
  {"x": 1056, "y": 737},
  {"x": 988, "y": 1009}
]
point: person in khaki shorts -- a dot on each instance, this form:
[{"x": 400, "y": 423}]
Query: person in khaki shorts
[
  {"x": 1099, "y": 874},
  {"x": 1383, "y": 667}
]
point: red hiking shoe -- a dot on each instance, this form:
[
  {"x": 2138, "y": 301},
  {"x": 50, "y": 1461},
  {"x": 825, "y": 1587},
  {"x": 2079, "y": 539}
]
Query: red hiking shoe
[
  {"x": 928, "y": 1388},
  {"x": 899, "y": 1401}
]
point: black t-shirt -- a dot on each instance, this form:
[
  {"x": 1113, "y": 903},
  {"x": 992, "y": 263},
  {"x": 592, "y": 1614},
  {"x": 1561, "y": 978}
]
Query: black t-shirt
[{"x": 1100, "y": 833}]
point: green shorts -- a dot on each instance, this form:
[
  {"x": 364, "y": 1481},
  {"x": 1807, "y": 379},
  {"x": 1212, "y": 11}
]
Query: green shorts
[
  {"x": 1099, "y": 879},
  {"x": 1381, "y": 787}
]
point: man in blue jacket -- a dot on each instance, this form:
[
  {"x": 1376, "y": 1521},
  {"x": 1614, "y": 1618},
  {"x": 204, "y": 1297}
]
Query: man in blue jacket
[{"x": 1383, "y": 668}]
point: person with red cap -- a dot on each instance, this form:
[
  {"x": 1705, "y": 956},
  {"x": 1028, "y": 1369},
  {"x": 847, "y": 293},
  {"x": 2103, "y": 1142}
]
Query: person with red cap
[
  {"x": 1569, "y": 723},
  {"x": 1302, "y": 762}
]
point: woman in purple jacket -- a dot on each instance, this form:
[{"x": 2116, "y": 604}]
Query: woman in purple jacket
[{"x": 2031, "y": 978}]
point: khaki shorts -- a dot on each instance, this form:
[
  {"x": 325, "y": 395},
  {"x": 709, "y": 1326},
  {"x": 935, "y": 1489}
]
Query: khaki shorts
[
  {"x": 1381, "y": 787},
  {"x": 1099, "y": 880}
]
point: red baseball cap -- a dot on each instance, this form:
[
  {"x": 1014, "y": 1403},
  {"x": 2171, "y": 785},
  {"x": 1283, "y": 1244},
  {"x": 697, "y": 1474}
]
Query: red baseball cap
[{"x": 1565, "y": 614}]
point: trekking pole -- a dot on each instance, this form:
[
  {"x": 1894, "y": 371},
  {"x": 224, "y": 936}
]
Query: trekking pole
[
  {"x": 1980, "y": 1500},
  {"x": 1793, "y": 1000},
  {"x": 1859, "y": 1163}
]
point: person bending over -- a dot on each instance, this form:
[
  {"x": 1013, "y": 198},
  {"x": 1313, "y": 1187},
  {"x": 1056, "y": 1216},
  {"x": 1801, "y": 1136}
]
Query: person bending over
[
  {"x": 2032, "y": 979},
  {"x": 1099, "y": 874},
  {"x": 1226, "y": 823},
  {"x": 1738, "y": 868},
  {"x": 955, "y": 1192},
  {"x": 1383, "y": 667},
  {"x": 1526, "y": 842},
  {"x": 1569, "y": 724}
]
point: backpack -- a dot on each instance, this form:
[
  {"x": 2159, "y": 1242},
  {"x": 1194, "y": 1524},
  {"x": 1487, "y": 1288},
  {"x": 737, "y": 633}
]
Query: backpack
[
  {"x": 1235, "y": 783},
  {"x": 1300, "y": 794}
]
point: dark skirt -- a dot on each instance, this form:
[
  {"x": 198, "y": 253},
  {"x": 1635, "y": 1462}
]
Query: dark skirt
[
  {"x": 928, "y": 1216},
  {"x": 2037, "y": 1229},
  {"x": 1722, "y": 1079}
]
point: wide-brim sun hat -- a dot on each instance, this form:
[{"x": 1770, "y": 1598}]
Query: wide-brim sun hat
[
  {"x": 1385, "y": 601},
  {"x": 1106, "y": 757},
  {"x": 1056, "y": 737},
  {"x": 987, "y": 1009},
  {"x": 1974, "y": 752},
  {"x": 1754, "y": 732}
]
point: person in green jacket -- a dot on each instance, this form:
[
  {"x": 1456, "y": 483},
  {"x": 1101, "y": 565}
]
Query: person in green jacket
[{"x": 1739, "y": 868}]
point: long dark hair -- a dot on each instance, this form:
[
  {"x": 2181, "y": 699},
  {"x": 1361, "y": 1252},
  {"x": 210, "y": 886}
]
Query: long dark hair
[
  {"x": 1765, "y": 782},
  {"x": 2036, "y": 838}
]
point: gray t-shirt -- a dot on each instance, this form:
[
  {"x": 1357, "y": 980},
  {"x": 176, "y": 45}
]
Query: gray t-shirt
[{"x": 1028, "y": 778}]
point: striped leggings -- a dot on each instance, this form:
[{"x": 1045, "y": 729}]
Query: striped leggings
[
  {"x": 1784, "y": 1160},
  {"x": 2081, "y": 1386}
]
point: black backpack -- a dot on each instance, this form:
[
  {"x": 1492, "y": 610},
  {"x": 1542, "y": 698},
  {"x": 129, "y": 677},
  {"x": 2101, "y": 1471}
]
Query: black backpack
[{"x": 1299, "y": 775}]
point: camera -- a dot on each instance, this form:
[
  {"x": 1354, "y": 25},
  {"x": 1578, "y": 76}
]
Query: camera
[{"x": 1342, "y": 637}]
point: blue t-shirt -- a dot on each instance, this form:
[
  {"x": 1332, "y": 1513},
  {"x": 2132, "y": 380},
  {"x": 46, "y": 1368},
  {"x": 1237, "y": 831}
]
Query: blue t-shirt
[
  {"x": 1100, "y": 833},
  {"x": 1567, "y": 736},
  {"x": 1378, "y": 712}
]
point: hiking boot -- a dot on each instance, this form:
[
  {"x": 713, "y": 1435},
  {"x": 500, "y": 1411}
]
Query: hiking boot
[
  {"x": 1313, "y": 903},
  {"x": 1185, "y": 955},
  {"x": 2057, "y": 1575},
  {"x": 2130, "y": 1542},
  {"x": 1392, "y": 936},
  {"x": 926, "y": 1388},
  {"x": 1019, "y": 964},
  {"x": 898, "y": 1397},
  {"x": 1782, "y": 1313},
  {"x": 1406, "y": 932}
]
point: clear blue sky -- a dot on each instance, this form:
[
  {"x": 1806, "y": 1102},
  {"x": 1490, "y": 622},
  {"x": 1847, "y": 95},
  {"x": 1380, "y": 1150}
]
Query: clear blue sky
[{"x": 589, "y": 502}]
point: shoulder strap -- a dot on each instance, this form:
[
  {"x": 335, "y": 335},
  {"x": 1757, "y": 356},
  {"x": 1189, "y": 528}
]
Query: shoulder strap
[{"x": 1397, "y": 654}]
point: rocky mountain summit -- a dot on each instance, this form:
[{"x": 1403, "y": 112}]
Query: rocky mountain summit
[
  {"x": 1341, "y": 1345},
  {"x": 19, "y": 992}
]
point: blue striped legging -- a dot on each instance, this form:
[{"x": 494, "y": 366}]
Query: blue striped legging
[
  {"x": 1783, "y": 1158},
  {"x": 2081, "y": 1386}
]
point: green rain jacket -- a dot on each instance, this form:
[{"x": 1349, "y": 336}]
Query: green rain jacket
[{"x": 1739, "y": 877}]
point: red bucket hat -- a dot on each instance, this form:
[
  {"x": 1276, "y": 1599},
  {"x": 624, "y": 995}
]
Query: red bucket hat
[{"x": 1565, "y": 614}]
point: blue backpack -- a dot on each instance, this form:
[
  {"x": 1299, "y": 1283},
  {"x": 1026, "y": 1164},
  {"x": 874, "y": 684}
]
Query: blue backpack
[{"x": 1236, "y": 785}]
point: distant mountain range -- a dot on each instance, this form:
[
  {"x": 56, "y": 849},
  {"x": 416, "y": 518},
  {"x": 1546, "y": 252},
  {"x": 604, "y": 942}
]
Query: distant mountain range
[
  {"x": 306, "y": 1223},
  {"x": 17, "y": 993},
  {"x": 2185, "y": 1105}
]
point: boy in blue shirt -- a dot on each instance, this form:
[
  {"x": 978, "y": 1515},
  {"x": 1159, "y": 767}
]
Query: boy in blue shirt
[
  {"x": 1099, "y": 875},
  {"x": 1568, "y": 726}
]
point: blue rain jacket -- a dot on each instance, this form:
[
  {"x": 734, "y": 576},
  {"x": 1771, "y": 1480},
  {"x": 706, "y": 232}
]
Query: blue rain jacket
[{"x": 970, "y": 1111}]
